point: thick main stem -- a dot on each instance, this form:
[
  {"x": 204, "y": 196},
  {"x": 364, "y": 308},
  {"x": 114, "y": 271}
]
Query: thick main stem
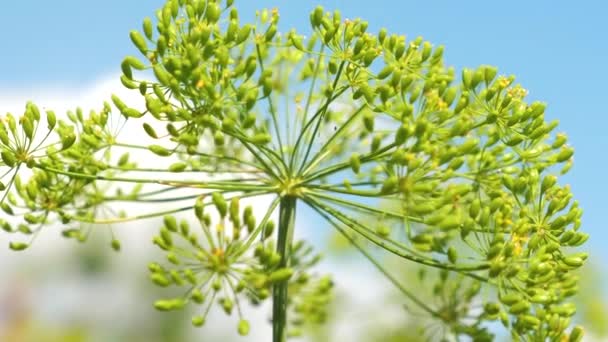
[{"x": 287, "y": 215}]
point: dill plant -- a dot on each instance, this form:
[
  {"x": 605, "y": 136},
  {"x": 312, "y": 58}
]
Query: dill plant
[{"x": 454, "y": 171}]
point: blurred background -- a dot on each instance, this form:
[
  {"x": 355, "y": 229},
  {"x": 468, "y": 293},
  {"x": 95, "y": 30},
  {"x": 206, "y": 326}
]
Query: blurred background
[{"x": 66, "y": 53}]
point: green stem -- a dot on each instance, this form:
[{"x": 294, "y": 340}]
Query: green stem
[{"x": 287, "y": 215}]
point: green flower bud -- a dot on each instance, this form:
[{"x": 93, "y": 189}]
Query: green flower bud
[
  {"x": 160, "y": 280},
  {"x": 573, "y": 261},
  {"x": 220, "y": 203},
  {"x": 576, "y": 334},
  {"x": 564, "y": 154},
  {"x": 491, "y": 308},
  {"x": 243, "y": 327},
  {"x": 541, "y": 298},
  {"x": 147, "y": 26},
  {"x": 385, "y": 72},
  {"x": 519, "y": 307},
  {"x": 139, "y": 41},
  {"x": 383, "y": 231},
  {"x": 355, "y": 163},
  {"x": 115, "y": 245},
  {"x": 159, "y": 150},
  {"x": 197, "y": 296},
  {"x": 198, "y": 321},
  {"x": 213, "y": 12},
  {"x": 510, "y": 298},
  {"x": 489, "y": 73},
  {"x": 529, "y": 321},
  {"x": 218, "y": 138},
  {"x": 269, "y": 229},
  {"x": 169, "y": 304},
  {"x": 368, "y": 122},
  {"x": 8, "y": 158},
  {"x": 452, "y": 254},
  {"x": 450, "y": 222},
  {"x": 261, "y": 139},
  {"x": 389, "y": 185},
  {"x": 280, "y": 275},
  {"x": 316, "y": 16},
  {"x": 170, "y": 222},
  {"x": 18, "y": 246},
  {"x": 560, "y": 140}
]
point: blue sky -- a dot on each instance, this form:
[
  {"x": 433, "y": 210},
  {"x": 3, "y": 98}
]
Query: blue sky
[{"x": 557, "y": 50}]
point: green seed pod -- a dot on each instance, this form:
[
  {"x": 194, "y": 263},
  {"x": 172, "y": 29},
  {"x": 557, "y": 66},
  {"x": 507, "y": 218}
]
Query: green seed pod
[
  {"x": 139, "y": 41},
  {"x": 227, "y": 305},
  {"x": 467, "y": 78},
  {"x": 51, "y": 119},
  {"x": 475, "y": 208},
  {"x": 127, "y": 82},
  {"x": 165, "y": 235},
  {"x": 28, "y": 127},
  {"x": 160, "y": 280},
  {"x": 519, "y": 307},
  {"x": 220, "y": 203},
  {"x": 368, "y": 122},
  {"x": 491, "y": 308},
  {"x": 243, "y": 327},
  {"x": 213, "y": 12},
  {"x": 134, "y": 63},
  {"x": 529, "y": 321},
  {"x": 115, "y": 244},
  {"x": 218, "y": 138},
  {"x": 172, "y": 258},
  {"x": 450, "y": 222},
  {"x": 159, "y": 150},
  {"x": 402, "y": 134},
  {"x": 355, "y": 163},
  {"x": 269, "y": 229},
  {"x": 573, "y": 261},
  {"x": 8, "y": 158},
  {"x": 4, "y": 136},
  {"x": 270, "y": 33},
  {"x": 118, "y": 103},
  {"x": 383, "y": 230},
  {"x": 197, "y": 296},
  {"x": 162, "y": 75},
  {"x": 280, "y": 275},
  {"x": 177, "y": 167},
  {"x": 150, "y": 131},
  {"x": 169, "y": 304},
  {"x": 564, "y": 154},
  {"x": 250, "y": 222},
  {"x": 576, "y": 335},
  {"x": 170, "y": 222},
  {"x": 548, "y": 182},
  {"x": 541, "y": 298},
  {"x": 389, "y": 185},
  {"x": 198, "y": 321},
  {"x": 243, "y": 34},
  {"x": 18, "y": 246},
  {"x": 423, "y": 208},
  {"x": 261, "y": 139},
  {"x": 147, "y": 26},
  {"x": 126, "y": 70},
  {"x": 510, "y": 298},
  {"x": 131, "y": 113},
  {"x": 376, "y": 141},
  {"x": 316, "y": 16},
  {"x": 452, "y": 254},
  {"x": 489, "y": 73},
  {"x": 560, "y": 140},
  {"x": 385, "y": 72}
]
